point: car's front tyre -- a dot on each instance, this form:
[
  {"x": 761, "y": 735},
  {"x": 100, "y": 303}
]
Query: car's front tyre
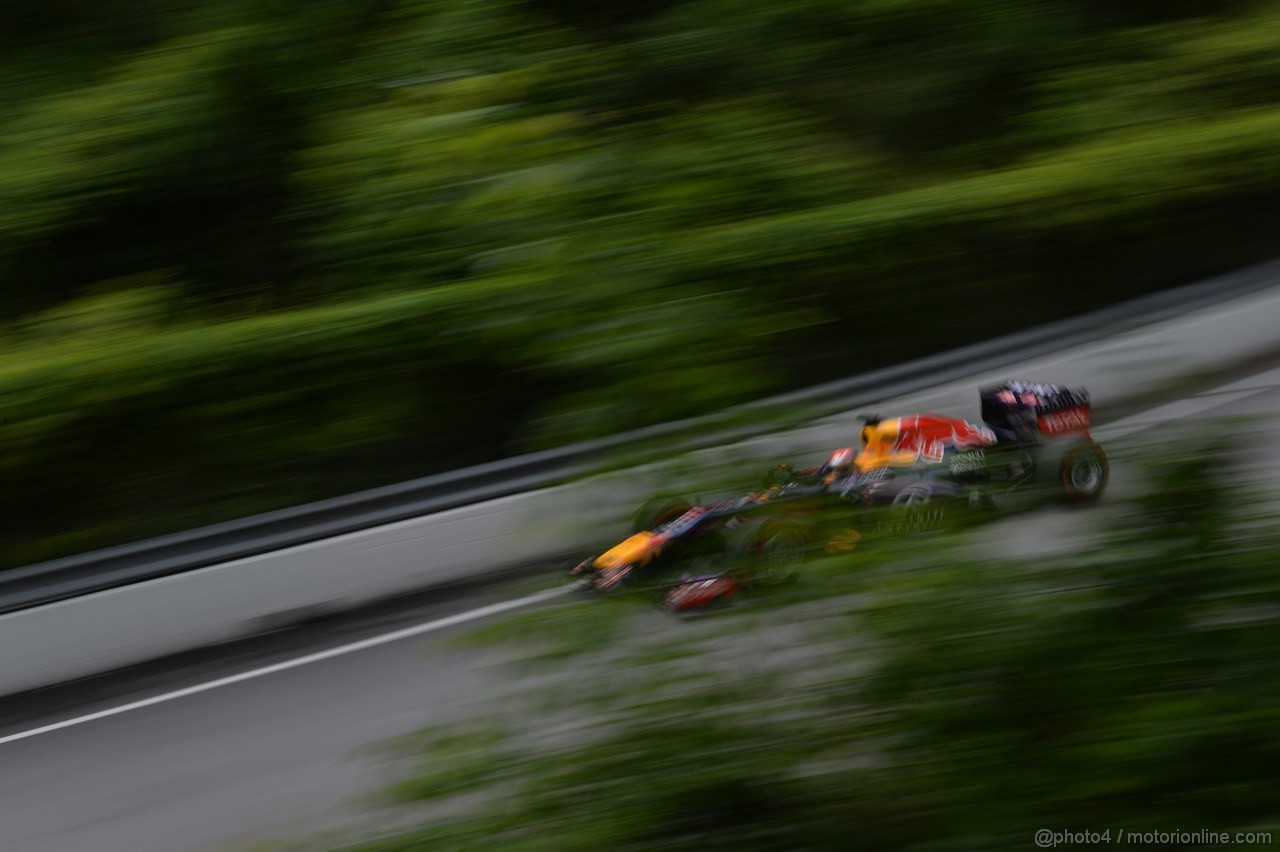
[{"x": 771, "y": 550}]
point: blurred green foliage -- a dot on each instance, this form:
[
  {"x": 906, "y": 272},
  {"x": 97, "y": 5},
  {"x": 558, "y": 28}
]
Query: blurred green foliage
[
  {"x": 261, "y": 253},
  {"x": 940, "y": 703}
]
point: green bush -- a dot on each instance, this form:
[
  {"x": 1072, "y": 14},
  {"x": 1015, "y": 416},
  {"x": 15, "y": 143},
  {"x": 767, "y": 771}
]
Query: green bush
[{"x": 947, "y": 705}]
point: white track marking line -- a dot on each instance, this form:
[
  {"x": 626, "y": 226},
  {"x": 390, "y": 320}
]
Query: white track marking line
[
  {"x": 1179, "y": 410},
  {"x": 1258, "y": 381},
  {"x": 350, "y": 648}
]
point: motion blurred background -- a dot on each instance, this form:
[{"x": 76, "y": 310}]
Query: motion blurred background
[{"x": 260, "y": 253}]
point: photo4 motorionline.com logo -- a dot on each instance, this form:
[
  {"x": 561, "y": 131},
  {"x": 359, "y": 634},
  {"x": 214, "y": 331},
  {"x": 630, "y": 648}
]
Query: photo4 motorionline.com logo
[{"x": 1047, "y": 839}]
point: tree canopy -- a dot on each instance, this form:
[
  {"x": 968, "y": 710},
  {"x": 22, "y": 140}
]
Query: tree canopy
[{"x": 260, "y": 253}]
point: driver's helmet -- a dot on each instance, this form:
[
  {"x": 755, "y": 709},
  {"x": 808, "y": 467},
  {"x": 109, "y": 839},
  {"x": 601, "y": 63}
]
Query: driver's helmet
[{"x": 879, "y": 437}]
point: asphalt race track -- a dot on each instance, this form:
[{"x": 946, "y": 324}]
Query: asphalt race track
[{"x": 284, "y": 753}]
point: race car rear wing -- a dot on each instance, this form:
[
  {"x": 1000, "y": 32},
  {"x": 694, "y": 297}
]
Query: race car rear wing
[{"x": 1050, "y": 409}]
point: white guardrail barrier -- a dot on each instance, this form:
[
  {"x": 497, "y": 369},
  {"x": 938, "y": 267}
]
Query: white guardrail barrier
[{"x": 105, "y": 630}]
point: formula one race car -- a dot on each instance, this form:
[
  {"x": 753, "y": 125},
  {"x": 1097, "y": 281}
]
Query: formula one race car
[
  {"x": 1032, "y": 434},
  {"x": 911, "y": 473},
  {"x": 756, "y": 539}
]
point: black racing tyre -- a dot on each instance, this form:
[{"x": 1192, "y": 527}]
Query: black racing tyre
[
  {"x": 1078, "y": 470},
  {"x": 921, "y": 506},
  {"x": 659, "y": 511},
  {"x": 771, "y": 550}
]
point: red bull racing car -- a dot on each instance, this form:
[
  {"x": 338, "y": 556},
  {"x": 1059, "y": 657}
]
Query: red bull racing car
[
  {"x": 910, "y": 473},
  {"x": 1032, "y": 434}
]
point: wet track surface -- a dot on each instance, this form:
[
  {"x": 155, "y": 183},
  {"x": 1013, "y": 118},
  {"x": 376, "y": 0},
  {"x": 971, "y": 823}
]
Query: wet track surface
[{"x": 287, "y": 754}]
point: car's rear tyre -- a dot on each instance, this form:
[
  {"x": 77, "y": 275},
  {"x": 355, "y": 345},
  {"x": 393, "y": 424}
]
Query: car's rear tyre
[
  {"x": 919, "y": 506},
  {"x": 1079, "y": 470}
]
